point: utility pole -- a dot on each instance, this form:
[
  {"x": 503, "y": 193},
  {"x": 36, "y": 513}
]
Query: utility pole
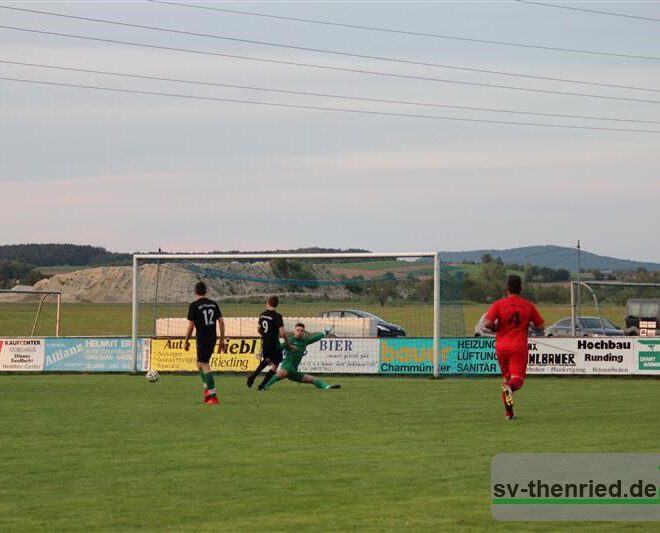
[{"x": 579, "y": 269}]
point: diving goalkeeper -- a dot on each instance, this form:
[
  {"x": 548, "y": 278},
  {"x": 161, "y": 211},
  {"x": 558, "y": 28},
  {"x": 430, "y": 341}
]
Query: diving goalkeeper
[{"x": 293, "y": 355}]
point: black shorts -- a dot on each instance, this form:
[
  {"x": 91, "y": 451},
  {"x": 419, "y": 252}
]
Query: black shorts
[
  {"x": 272, "y": 353},
  {"x": 205, "y": 348}
]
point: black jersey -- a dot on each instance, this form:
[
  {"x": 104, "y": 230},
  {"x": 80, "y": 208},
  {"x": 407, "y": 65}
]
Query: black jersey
[
  {"x": 270, "y": 323},
  {"x": 204, "y": 313}
]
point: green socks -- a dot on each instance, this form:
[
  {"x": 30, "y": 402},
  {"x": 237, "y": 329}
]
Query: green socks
[
  {"x": 210, "y": 383},
  {"x": 319, "y": 384},
  {"x": 271, "y": 382}
]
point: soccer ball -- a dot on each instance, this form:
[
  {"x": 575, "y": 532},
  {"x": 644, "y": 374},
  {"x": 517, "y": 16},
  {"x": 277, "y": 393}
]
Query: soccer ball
[{"x": 152, "y": 376}]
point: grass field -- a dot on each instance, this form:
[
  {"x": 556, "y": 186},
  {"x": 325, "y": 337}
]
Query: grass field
[
  {"x": 82, "y": 319},
  {"x": 114, "y": 453}
]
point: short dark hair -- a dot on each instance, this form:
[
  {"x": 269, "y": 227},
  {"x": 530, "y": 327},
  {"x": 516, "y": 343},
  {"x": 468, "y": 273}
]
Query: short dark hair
[
  {"x": 273, "y": 301},
  {"x": 200, "y": 288},
  {"x": 300, "y": 324},
  {"x": 514, "y": 284}
]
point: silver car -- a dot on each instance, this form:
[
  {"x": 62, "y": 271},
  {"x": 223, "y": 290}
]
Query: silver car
[{"x": 585, "y": 326}]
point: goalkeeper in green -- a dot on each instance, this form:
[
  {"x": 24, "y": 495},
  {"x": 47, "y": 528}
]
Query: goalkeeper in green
[{"x": 294, "y": 353}]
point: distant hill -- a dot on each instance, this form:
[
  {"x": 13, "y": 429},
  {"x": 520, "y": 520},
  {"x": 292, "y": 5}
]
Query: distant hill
[
  {"x": 45, "y": 255},
  {"x": 551, "y": 256}
]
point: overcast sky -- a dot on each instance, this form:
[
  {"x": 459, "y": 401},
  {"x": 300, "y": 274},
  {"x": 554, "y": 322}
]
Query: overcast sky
[{"x": 135, "y": 172}]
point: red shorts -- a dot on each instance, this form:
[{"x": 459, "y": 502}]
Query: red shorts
[{"x": 513, "y": 363}]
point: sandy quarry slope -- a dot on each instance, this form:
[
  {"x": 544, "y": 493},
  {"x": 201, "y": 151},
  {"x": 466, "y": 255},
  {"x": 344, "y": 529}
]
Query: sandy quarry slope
[{"x": 176, "y": 280}]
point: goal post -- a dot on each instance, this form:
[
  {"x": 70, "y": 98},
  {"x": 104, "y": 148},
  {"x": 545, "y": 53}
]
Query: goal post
[{"x": 377, "y": 290}]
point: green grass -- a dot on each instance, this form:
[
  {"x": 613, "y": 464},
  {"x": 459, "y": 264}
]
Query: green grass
[
  {"x": 81, "y": 319},
  {"x": 114, "y": 453}
]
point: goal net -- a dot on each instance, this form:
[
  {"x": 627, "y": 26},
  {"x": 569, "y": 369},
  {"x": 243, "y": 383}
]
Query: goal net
[{"x": 364, "y": 297}]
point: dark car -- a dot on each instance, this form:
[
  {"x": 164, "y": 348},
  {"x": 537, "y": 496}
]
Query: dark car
[
  {"x": 384, "y": 328},
  {"x": 585, "y": 326},
  {"x": 481, "y": 331}
]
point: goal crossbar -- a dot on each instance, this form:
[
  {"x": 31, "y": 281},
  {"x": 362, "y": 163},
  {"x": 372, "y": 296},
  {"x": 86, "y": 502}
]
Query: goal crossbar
[{"x": 285, "y": 256}]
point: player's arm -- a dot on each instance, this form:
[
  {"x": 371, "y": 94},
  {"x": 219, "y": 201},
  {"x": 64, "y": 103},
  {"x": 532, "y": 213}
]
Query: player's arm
[
  {"x": 285, "y": 337},
  {"x": 283, "y": 345},
  {"x": 491, "y": 317},
  {"x": 315, "y": 337},
  {"x": 189, "y": 332},
  {"x": 290, "y": 347},
  {"x": 537, "y": 319},
  {"x": 221, "y": 326}
]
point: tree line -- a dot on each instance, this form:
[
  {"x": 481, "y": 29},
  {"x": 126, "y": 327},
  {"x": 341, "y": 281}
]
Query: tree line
[
  {"x": 16, "y": 272},
  {"x": 47, "y": 255}
]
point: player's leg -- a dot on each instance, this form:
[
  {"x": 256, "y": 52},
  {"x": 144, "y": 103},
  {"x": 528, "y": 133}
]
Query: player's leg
[
  {"x": 517, "y": 373},
  {"x": 262, "y": 364},
  {"x": 504, "y": 360},
  {"x": 308, "y": 378},
  {"x": 274, "y": 358},
  {"x": 204, "y": 353},
  {"x": 518, "y": 370},
  {"x": 209, "y": 382},
  {"x": 271, "y": 372},
  {"x": 203, "y": 378},
  {"x": 201, "y": 357},
  {"x": 282, "y": 373}
]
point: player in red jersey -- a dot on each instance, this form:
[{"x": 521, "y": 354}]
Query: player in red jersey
[{"x": 511, "y": 317}]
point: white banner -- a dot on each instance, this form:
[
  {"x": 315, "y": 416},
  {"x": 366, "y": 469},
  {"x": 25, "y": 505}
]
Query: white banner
[
  {"x": 586, "y": 355},
  {"x": 342, "y": 356},
  {"x": 21, "y": 355}
]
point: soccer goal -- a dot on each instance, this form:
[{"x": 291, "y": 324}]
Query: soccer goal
[
  {"x": 363, "y": 296},
  {"x": 27, "y": 312},
  {"x": 632, "y": 306}
]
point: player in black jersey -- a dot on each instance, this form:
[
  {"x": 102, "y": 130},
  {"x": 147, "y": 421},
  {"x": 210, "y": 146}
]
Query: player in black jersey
[
  {"x": 271, "y": 328},
  {"x": 202, "y": 317}
]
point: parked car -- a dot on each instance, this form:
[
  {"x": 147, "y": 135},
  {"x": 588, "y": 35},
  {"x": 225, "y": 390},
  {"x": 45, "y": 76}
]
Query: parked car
[
  {"x": 643, "y": 314},
  {"x": 585, "y": 326},
  {"x": 384, "y": 328},
  {"x": 481, "y": 331}
]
